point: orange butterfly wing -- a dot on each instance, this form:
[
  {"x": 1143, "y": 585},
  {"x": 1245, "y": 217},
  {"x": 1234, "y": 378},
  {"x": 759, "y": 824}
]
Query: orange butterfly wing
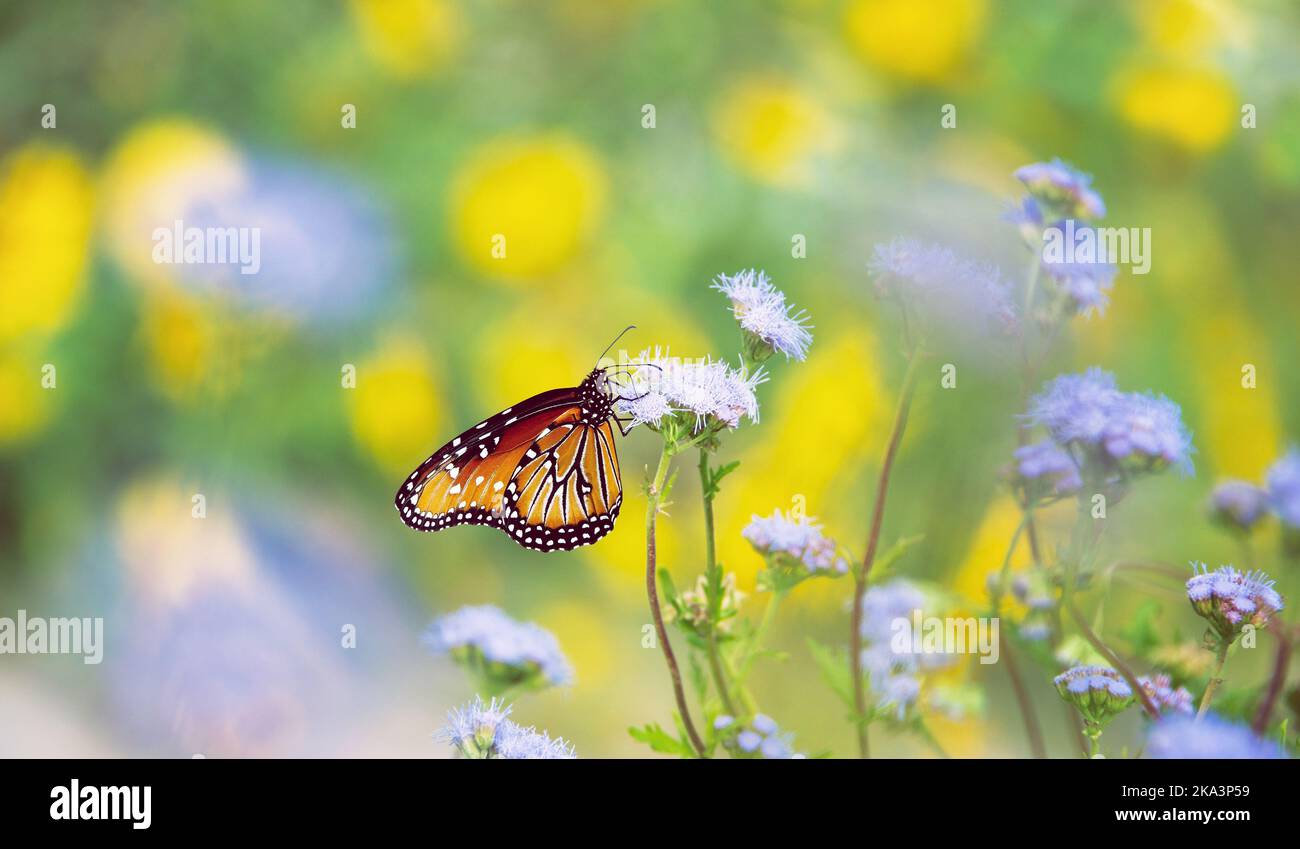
[
  {"x": 567, "y": 490},
  {"x": 541, "y": 472}
]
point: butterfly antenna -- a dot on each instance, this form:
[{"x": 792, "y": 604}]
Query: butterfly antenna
[{"x": 616, "y": 338}]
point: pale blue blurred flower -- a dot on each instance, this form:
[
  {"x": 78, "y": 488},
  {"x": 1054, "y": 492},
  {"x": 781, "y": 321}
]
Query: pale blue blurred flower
[
  {"x": 1183, "y": 737},
  {"x": 1137, "y": 428},
  {"x": 1284, "y": 487},
  {"x": 1164, "y": 695},
  {"x": 1238, "y": 503},
  {"x": 945, "y": 289},
  {"x": 325, "y": 252},
  {"x": 1049, "y": 463},
  {"x": 526, "y": 647},
  {"x": 1062, "y": 188},
  {"x": 800, "y": 539}
]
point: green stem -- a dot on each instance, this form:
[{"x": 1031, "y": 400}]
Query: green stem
[
  {"x": 1083, "y": 545},
  {"x": 1220, "y": 657},
  {"x": 652, "y": 592},
  {"x": 1094, "y": 743},
  {"x": 873, "y": 541},
  {"x": 756, "y": 639},
  {"x": 713, "y": 588}
]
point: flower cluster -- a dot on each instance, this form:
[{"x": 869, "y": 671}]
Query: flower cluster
[
  {"x": 1284, "y": 488},
  {"x": 1097, "y": 691},
  {"x": 1241, "y": 505},
  {"x": 1211, "y": 737},
  {"x": 1229, "y": 600},
  {"x": 768, "y": 324},
  {"x": 693, "y": 394},
  {"x": 1044, "y": 468},
  {"x": 691, "y": 609},
  {"x": 1084, "y": 284},
  {"x": 1112, "y": 433},
  {"x": 795, "y": 548},
  {"x": 1035, "y": 592},
  {"x": 506, "y": 654},
  {"x": 894, "y": 672},
  {"x": 1060, "y": 191},
  {"x": 1238, "y": 504},
  {"x": 944, "y": 289},
  {"x": 761, "y": 738},
  {"x": 485, "y": 732},
  {"x": 1167, "y": 698}
]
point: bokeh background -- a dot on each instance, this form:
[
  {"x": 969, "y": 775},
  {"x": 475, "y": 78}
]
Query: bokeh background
[{"x": 803, "y": 117}]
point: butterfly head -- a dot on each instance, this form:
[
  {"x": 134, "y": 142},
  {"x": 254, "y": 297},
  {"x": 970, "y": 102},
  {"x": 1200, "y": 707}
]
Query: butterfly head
[{"x": 596, "y": 395}]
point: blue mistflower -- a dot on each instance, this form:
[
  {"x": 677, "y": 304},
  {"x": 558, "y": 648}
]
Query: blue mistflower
[
  {"x": 1230, "y": 599},
  {"x": 1085, "y": 284},
  {"x": 798, "y": 544},
  {"x": 1284, "y": 488},
  {"x": 1164, "y": 695},
  {"x": 1076, "y": 407},
  {"x": 1099, "y": 692},
  {"x": 1141, "y": 431},
  {"x": 1048, "y": 463},
  {"x": 768, "y": 323},
  {"x": 484, "y": 731},
  {"x": 1211, "y": 737},
  {"x": 506, "y": 652},
  {"x": 893, "y": 671},
  {"x": 1150, "y": 427},
  {"x": 1063, "y": 189},
  {"x": 1238, "y": 504},
  {"x": 944, "y": 288},
  {"x": 760, "y": 738}
]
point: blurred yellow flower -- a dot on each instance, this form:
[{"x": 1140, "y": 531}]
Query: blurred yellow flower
[
  {"x": 585, "y": 638},
  {"x": 771, "y": 129},
  {"x": 529, "y": 362},
  {"x": 985, "y": 554},
  {"x": 46, "y": 210},
  {"x": 396, "y": 409},
  {"x": 180, "y": 339},
  {"x": 1188, "y": 27},
  {"x": 521, "y": 208},
  {"x": 409, "y": 38},
  {"x": 158, "y": 172},
  {"x": 1193, "y": 107},
  {"x": 1241, "y": 431},
  {"x": 24, "y": 403},
  {"x": 915, "y": 40}
]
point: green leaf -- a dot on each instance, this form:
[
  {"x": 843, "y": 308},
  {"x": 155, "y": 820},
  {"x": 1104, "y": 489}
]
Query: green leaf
[
  {"x": 659, "y": 740},
  {"x": 884, "y": 566},
  {"x": 715, "y": 478},
  {"x": 834, "y": 666},
  {"x": 699, "y": 678},
  {"x": 668, "y": 592}
]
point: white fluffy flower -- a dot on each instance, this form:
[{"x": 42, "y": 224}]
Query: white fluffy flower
[
  {"x": 662, "y": 386},
  {"x": 762, "y": 312}
]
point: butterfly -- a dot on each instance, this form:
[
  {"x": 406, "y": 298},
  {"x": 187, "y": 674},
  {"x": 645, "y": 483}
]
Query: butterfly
[{"x": 544, "y": 471}]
